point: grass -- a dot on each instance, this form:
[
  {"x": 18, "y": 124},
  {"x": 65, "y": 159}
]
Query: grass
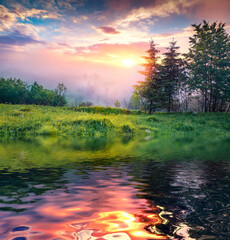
[
  {"x": 20, "y": 120},
  {"x": 105, "y": 110}
]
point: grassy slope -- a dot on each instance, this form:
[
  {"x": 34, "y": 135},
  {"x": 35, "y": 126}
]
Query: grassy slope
[{"x": 19, "y": 120}]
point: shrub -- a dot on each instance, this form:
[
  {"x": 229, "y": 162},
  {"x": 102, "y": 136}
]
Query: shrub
[{"x": 127, "y": 129}]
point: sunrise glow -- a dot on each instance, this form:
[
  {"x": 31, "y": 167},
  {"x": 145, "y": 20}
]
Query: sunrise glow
[{"x": 128, "y": 62}]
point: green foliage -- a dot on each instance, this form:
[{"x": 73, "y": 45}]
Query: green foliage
[
  {"x": 203, "y": 76},
  {"x": 208, "y": 62},
  {"x": 59, "y": 98},
  {"x": 135, "y": 101},
  {"x": 149, "y": 88},
  {"x": 16, "y": 91},
  {"x": 162, "y": 82},
  {"x": 127, "y": 129},
  {"x": 171, "y": 75},
  {"x": 13, "y": 91}
]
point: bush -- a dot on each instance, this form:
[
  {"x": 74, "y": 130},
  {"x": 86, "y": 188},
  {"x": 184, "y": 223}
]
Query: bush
[{"x": 127, "y": 129}]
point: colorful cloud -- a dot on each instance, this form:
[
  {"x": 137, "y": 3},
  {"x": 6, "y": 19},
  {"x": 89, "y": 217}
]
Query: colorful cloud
[{"x": 108, "y": 30}]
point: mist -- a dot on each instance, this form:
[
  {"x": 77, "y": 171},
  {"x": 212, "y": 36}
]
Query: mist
[{"x": 98, "y": 83}]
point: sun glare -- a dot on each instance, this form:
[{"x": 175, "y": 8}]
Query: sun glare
[{"x": 128, "y": 62}]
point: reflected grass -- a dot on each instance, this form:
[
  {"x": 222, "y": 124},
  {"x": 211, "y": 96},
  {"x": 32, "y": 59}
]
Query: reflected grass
[{"x": 53, "y": 152}]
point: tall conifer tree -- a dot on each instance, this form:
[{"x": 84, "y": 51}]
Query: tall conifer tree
[
  {"x": 171, "y": 75},
  {"x": 148, "y": 89}
]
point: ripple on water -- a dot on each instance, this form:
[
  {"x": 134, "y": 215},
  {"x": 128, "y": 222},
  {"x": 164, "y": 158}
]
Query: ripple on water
[
  {"x": 19, "y": 238},
  {"x": 117, "y": 225},
  {"x": 89, "y": 234},
  {"x": 20, "y": 228},
  {"x": 117, "y": 201}
]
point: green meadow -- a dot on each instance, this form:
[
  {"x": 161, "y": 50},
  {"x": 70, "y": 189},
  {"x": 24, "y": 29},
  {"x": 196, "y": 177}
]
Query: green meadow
[{"x": 33, "y": 120}]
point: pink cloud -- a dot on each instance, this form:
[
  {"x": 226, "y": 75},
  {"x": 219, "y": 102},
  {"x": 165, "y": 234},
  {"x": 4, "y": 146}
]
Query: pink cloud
[
  {"x": 104, "y": 39},
  {"x": 108, "y": 30},
  {"x": 211, "y": 10},
  {"x": 102, "y": 50}
]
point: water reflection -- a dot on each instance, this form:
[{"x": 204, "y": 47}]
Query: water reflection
[
  {"x": 61, "y": 189},
  {"x": 100, "y": 205},
  {"x": 197, "y": 193}
]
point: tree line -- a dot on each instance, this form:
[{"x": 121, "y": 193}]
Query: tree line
[
  {"x": 179, "y": 81},
  {"x": 16, "y": 91}
]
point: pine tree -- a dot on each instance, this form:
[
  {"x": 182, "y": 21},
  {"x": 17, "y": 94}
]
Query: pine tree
[
  {"x": 148, "y": 89},
  {"x": 171, "y": 73}
]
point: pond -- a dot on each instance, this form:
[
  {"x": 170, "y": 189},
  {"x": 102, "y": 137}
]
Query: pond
[{"x": 114, "y": 189}]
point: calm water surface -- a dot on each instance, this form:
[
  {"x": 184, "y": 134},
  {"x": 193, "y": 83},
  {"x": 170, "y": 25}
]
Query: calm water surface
[{"x": 104, "y": 189}]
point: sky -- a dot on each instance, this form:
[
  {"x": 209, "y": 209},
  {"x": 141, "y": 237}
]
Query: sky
[{"x": 95, "y": 47}]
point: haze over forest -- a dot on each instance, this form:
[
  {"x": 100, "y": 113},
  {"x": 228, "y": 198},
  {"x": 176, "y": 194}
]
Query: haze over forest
[{"x": 94, "y": 47}]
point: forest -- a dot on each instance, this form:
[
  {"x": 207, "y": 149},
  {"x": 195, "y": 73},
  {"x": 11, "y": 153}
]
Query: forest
[
  {"x": 196, "y": 81},
  {"x": 16, "y": 91}
]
